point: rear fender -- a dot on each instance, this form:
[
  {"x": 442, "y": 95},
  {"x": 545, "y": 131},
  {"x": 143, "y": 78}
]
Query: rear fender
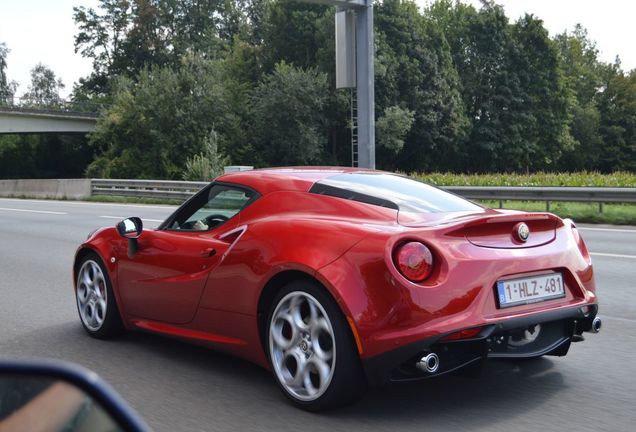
[
  {"x": 268, "y": 248},
  {"x": 366, "y": 290}
]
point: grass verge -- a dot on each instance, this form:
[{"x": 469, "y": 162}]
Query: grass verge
[
  {"x": 614, "y": 214},
  {"x": 576, "y": 179}
]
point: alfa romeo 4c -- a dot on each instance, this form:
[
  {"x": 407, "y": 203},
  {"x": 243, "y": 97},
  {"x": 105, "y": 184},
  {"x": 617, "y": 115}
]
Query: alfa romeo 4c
[{"x": 337, "y": 278}]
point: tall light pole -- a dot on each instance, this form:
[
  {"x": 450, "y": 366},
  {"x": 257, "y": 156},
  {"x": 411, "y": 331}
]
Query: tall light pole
[{"x": 355, "y": 69}]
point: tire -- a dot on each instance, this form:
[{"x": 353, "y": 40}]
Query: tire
[
  {"x": 95, "y": 300},
  {"x": 311, "y": 350}
]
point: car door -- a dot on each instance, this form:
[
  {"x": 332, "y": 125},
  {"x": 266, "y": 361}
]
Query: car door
[{"x": 164, "y": 280}]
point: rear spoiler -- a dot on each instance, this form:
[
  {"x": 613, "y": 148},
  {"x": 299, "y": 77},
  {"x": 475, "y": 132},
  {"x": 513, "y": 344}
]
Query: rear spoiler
[{"x": 514, "y": 217}]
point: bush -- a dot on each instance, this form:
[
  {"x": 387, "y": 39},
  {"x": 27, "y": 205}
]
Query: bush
[
  {"x": 206, "y": 165},
  {"x": 577, "y": 179}
]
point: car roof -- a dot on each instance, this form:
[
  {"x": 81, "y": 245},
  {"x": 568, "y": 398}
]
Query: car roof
[{"x": 300, "y": 179}]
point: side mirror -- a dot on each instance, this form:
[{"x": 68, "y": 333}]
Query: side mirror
[
  {"x": 130, "y": 228},
  {"x": 44, "y": 395}
]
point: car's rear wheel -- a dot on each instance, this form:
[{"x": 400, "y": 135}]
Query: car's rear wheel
[
  {"x": 95, "y": 300},
  {"x": 311, "y": 350}
]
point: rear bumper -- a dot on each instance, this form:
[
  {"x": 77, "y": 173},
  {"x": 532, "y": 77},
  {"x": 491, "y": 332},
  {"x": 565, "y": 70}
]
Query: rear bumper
[{"x": 558, "y": 328}]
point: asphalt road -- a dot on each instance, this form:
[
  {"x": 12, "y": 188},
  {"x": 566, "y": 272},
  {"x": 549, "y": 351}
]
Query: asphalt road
[{"x": 179, "y": 387}]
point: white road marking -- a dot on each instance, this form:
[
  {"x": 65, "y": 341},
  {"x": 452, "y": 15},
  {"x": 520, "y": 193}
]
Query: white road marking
[
  {"x": 96, "y": 203},
  {"x": 124, "y": 217},
  {"x": 617, "y": 318},
  {"x": 612, "y": 255},
  {"x": 33, "y": 211},
  {"x": 633, "y": 231}
]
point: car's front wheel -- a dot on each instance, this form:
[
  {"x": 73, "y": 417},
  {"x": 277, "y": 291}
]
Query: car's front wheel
[
  {"x": 311, "y": 349},
  {"x": 95, "y": 299}
]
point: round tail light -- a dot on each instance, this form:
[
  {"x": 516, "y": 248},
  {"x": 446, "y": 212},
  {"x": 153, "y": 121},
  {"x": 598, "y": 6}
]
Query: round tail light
[{"x": 414, "y": 260}]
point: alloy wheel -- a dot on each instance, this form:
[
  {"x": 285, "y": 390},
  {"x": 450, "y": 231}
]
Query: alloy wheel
[
  {"x": 302, "y": 346},
  {"x": 92, "y": 295}
]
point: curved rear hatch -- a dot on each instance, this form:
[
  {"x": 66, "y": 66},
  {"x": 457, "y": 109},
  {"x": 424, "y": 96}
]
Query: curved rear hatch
[
  {"x": 419, "y": 205},
  {"x": 506, "y": 231}
]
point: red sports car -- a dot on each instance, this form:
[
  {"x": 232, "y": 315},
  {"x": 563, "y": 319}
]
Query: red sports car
[{"x": 335, "y": 278}]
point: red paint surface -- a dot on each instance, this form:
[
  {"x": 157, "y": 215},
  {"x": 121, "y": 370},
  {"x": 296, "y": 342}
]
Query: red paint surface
[
  {"x": 170, "y": 287},
  {"x": 186, "y": 333}
]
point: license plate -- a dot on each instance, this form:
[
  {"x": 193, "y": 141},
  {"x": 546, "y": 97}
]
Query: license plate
[{"x": 514, "y": 292}]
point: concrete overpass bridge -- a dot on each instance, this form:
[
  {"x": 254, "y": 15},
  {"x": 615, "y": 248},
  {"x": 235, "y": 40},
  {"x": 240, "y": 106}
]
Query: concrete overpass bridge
[{"x": 16, "y": 120}]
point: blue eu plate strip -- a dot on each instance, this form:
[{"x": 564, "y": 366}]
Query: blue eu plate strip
[{"x": 500, "y": 290}]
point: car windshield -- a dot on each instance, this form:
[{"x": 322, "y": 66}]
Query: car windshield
[{"x": 393, "y": 191}]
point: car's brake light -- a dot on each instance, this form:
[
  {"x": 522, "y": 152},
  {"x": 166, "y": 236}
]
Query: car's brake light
[{"x": 414, "y": 260}]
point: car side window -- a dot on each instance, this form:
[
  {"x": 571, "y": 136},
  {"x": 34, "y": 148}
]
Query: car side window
[{"x": 210, "y": 210}]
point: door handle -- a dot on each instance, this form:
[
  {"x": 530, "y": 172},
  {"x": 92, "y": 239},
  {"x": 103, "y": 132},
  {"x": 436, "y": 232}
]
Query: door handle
[{"x": 209, "y": 252}]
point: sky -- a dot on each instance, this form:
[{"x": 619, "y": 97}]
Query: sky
[{"x": 43, "y": 31}]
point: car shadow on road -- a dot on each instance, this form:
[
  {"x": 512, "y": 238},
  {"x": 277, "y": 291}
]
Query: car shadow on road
[
  {"x": 138, "y": 363},
  {"x": 505, "y": 387},
  {"x": 147, "y": 351}
]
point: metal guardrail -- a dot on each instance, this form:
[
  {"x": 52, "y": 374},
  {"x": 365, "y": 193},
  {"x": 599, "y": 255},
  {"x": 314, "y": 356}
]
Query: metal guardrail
[
  {"x": 182, "y": 190},
  {"x": 60, "y": 106},
  {"x": 574, "y": 194},
  {"x": 598, "y": 195},
  {"x": 161, "y": 189}
]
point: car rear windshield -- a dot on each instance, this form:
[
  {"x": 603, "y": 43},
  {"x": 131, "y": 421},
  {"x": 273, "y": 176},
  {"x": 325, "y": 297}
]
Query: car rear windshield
[{"x": 392, "y": 191}]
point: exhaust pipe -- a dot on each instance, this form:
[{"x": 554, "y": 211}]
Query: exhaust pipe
[
  {"x": 596, "y": 324},
  {"x": 429, "y": 363}
]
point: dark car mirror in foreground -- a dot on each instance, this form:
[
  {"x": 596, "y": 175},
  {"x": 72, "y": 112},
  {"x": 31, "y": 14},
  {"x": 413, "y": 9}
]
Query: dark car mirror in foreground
[{"x": 43, "y": 396}]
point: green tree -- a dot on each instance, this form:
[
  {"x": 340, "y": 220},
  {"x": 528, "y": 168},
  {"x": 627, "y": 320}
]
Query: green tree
[
  {"x": 254, "y": 18},
  {"x": 156, "y": 123},
  {"x": 287, "y": 114},
  {"x": 617, "y": 106},
  {"x": 208, "y": 164},
  {"x": 457, "y": 88},
  {"x": 302, "y": 35},
  {"x": 392, "y": 127},
  {"x": 414, "y": 70},
  {"x": 581, "y": 65},
  {"x": 122, "y": 37},
  {"x": 44, "y": 156},
  {"x": 585, "y": 130},
  {"x": 543, "y": 113},
  {"x": 490, "y": 88},
  {"x": 145, "y": 43},
  {"x": 7, "y": 88},
  {"x": 583, "y": 73},
  {"x": 44, "y": 89},
  {"x": 4, "y": 82},
  {"x": 101, "y": 37},
  {"x": 512, "y": 87},
  {"x": 290, "y": 33}
]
